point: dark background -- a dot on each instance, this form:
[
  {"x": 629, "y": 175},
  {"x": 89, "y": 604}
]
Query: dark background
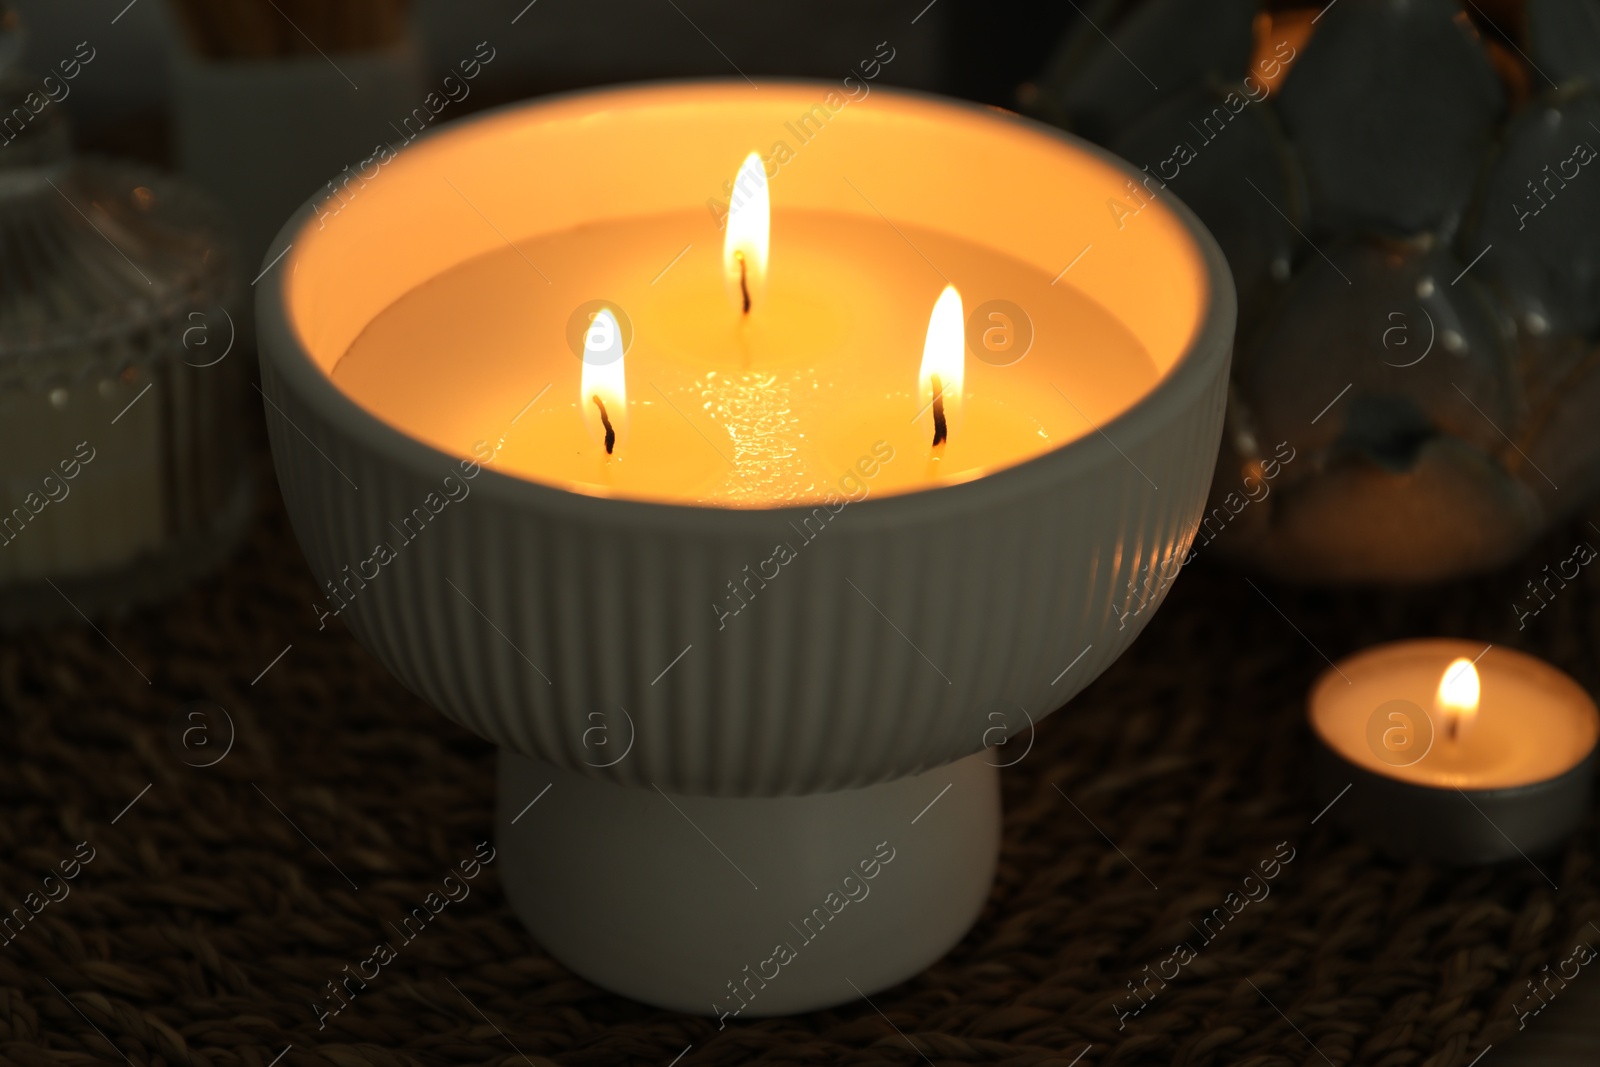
[{"x": 979, "y": 49}]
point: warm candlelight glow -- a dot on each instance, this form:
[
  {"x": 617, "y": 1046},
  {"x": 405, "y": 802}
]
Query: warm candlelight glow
[
  {"x": 604, "y": 389},
  {"x": 744, "y": 247},
  {"x": 1457, "y": 699},
  {"x": 446, "y": 338},
  {"x": 944, "y": 364}
]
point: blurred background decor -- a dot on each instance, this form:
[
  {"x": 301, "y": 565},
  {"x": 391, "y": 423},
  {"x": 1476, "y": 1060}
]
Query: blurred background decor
[
  {"x": 271, "y": 102},
  {"x": 1403, "y": 191},
  {"x": 122, "y": 466}
]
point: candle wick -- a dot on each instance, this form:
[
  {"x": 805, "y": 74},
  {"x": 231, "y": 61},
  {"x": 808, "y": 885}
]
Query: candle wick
[
  {"x": 744, "y": 281},
  {"x": 941, "y": 429},
  {"x": 1452, "y": 725},
  {"x": 605, "y": 420}
]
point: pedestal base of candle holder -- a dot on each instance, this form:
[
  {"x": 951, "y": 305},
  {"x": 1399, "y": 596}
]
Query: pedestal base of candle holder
[{"x": 755, "y": 906}]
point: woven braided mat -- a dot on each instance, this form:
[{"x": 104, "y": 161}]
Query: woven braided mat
[{"x": 206, "y": 921}]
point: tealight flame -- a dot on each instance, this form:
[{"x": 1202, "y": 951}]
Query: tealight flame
[
  {"x": 604, "y": 391},
  {"x": 1457, "y": 700},
  {"x": 744, "y": 246},
  {"x": 944, "y": 360}
]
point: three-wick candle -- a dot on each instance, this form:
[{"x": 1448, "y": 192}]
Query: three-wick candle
[{"x": 659, "y": 357}]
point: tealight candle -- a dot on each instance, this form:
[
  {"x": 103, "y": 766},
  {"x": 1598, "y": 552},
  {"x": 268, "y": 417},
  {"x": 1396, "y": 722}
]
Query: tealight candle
[{"x": 1445, "y": 750}]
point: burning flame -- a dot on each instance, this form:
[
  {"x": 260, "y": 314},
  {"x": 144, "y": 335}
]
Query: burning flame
[
  {"x": 1457, "y": 699},
  {"x": 603, "y": 394},
  {"x": 749, "y": 235},
  {"x": 944, "y": 360}
]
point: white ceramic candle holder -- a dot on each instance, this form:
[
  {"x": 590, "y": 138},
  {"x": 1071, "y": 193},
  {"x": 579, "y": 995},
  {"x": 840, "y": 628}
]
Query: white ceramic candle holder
[{"x": 796, "y": 810}]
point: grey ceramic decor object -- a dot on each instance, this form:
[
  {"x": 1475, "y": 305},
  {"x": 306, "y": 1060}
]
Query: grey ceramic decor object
[
  {"x": 261, "y": 134},
  {"x": 775, "y": 764}
]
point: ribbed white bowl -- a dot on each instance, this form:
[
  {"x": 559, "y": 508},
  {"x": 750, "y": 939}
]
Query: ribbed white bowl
[{"x": 878, "y": 653}]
